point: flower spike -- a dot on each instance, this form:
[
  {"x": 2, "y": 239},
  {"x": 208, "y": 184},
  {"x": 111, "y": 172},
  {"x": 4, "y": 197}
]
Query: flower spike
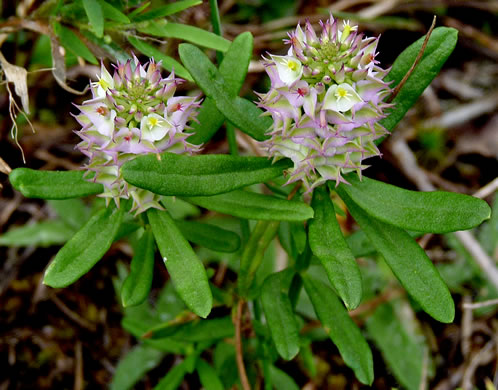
[
  {"x": 132, "y": 112},
  {"x": 326, "y": 102}
]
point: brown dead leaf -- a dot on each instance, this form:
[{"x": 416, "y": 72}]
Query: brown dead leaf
[{"x": 19, "y": 76}]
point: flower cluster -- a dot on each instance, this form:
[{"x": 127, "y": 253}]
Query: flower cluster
[
  {"x": 326, "y": 102},
  {"x": 132, "y": 112}
]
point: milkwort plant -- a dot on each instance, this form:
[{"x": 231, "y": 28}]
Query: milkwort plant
[{"x": 324, "y": 114}]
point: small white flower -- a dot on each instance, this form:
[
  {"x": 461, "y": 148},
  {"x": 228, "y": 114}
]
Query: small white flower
[
  {"x": 340, "y": 98},
  {"x": 105, "y": 82},
  {"x": 289, "y": 68},
  {"x": 154, "y": 127}
]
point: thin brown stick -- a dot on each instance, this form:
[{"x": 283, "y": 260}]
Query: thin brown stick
[
  {"x": 294, "y": 191},
  {"x": 238, "y": 346},
  {"x": 417, "y": 60},
  {"x": 78, "y": 369},
  {"x": 74, "y": 316}
]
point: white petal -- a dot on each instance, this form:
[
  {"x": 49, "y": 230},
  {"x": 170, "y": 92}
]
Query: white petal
[
  {"x": 330, "y": 100},
  {"x": 285, "y": 72}
]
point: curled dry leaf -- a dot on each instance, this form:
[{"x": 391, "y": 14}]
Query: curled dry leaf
[{"x": 19, "y": 76}]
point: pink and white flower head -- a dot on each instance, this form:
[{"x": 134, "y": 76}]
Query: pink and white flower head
[
  {"x": 132, "y": 112},
  {"x": 326, "y": 100}
]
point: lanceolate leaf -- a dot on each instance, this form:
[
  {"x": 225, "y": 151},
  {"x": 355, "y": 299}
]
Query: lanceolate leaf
[
  {"x": 408, "y": 262},
  {"x": 279, "y": 314},
  {"x": 242, "y": 113},
  {"x": 401, "y": 348},
  {"x": 249, "y": 205},
  {"x": 341, "y": 329},
  {"x": 95, "y": 16},
  {"x": 166, "y": 10},
  {"x": 137, "y": 285},
  {"x": 41, "y": 234},
  {"x": 186, "y": 270},
  {"x": 187, "y": 33},
  {"x": 233, "y": 68},
  {"x": 328, "y": 244},
  {"x": 52, "y": 184},
  {"x": 208, "y": 376},
  {"x": 167, "y": 62},
  {"x": 72, "y": 43},
  {"x": 209, "y": 236},
  {"x": 282, "y": 380},
  {"x": 202, "y": 175},
  {"x": 113, "y": 13},
  {"x": 86, "y": 247},
  {"x": 438, "y": 49},
  {"x": 173, "y": 379},
  {"x": 435, "y": 212},
  {"x": 133, "y": 366},
  {"x": 236, "y": 61}
]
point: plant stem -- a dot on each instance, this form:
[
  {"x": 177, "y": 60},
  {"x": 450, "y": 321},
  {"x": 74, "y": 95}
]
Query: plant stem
[
  {"x": 238, "y": 347},
  {"x": 232, "y": 141},
  {"x": 216, "y": 22}
]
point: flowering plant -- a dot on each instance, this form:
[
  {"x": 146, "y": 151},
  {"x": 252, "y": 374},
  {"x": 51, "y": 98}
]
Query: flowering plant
[
  {"x": 323, "y": 115},
  {"x": 326, "y": 100}
]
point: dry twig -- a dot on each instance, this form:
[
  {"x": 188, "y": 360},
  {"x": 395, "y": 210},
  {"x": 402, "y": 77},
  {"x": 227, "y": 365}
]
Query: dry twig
[
  {"x": 238, "y": 346},
  {"x": 417, "y": 60}
]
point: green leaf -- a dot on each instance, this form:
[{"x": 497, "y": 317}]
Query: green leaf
[
  {"x": 208, "y": 376},
  {"x": 173, "y": 379},
  {"x": 166, "y": 10},
  {"x": 185, "y": 269},
  {"x": 341, "y": 329},
  {"x": 167, "y": 62},
  {"x": 328, "y": 244},
  {"x": 438, "y": 49},
  {"x": 209, "y": 236},
  {"x": 233, "y": 68},
  {"x": 408, "y": 262},
  {"x": 249, "y": 205},
  {"x": 282, "y": 380},
  {"x": 41, "y": 234},
  {"x": 260, "y": 238},
  {"x": 201, "y": 175},
  {"x": 187, "y": 33},
  {"x": 236, "y": 61},
  {"x": 178, "y": 208},
  {"x": 71, "y": 211},
  {"x": 73, "y": 43},
  {"x": 113, "y": 13},
  {"x": 204, "y": 330},
  {"x": 115, "y": 53},
  {"x": 137, "y": 285},
  {"x": 52, "y": 184},
  {"x": 95, "y": 16},
  {"x": 134, "y": 365},
  {"x": 83, "y": 251},
  {"x": 209, "y": 120},
  {"x": 434, "y": 212},
  {"x": 401, "y": 349},
  {"x": 242, "y": 113},
  {"x": 279, "y": 314}
]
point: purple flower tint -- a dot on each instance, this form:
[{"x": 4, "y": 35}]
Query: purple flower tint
[
  {"x": 326, "y": 101},
  {"x": 132, "y": 112}
]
